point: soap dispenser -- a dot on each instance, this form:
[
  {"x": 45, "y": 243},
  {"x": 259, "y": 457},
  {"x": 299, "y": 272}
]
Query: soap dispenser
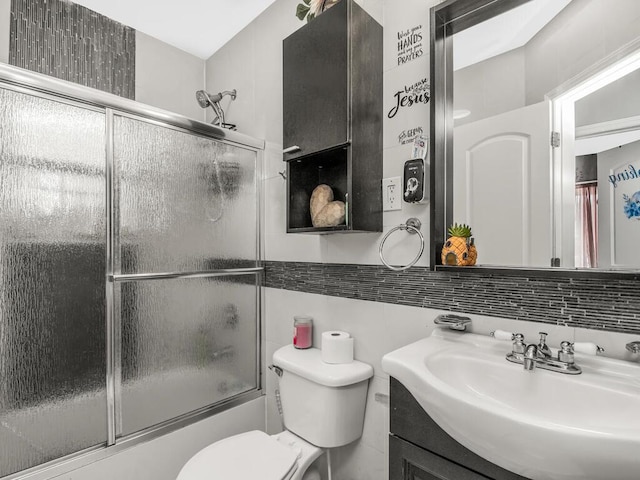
[{"x": 415, "y": 177}]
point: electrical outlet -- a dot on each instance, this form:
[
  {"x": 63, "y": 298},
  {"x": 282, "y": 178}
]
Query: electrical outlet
[{"x": 391, "y": 194}]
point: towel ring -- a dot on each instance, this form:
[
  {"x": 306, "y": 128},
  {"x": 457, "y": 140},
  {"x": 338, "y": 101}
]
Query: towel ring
[{"x": 412, "y": 226}]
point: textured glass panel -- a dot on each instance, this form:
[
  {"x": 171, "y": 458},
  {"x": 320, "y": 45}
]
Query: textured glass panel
[
  {"x": 52, "y": 280},
  {"x": 185, "y": 344},
  {"x": 186, "y": 203}
]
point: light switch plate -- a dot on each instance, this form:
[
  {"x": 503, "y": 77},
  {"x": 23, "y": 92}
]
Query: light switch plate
[{"x": 391, "y": 194}]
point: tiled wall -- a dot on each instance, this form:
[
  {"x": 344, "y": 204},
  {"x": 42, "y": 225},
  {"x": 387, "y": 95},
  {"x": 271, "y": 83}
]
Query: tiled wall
[
  {"x": 612, "y": 305},
  {"x": 71, "y": 42}
]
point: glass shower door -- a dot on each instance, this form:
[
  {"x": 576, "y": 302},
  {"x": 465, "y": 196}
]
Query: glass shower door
[
  {"x": 52, "y": 280},
  {"x": 129, "y": 277},
  {"x": 185, "y": 252}
]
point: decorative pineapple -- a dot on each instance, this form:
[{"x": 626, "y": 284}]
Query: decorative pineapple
[{"x": 459, "y": 249}]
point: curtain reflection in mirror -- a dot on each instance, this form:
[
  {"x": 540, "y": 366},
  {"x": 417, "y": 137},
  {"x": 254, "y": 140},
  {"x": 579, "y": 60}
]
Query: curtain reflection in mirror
[{"x": 587, "y": 225}]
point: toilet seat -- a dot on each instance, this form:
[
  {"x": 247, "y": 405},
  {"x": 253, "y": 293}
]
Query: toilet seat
[{"x": 247, "y": 456}]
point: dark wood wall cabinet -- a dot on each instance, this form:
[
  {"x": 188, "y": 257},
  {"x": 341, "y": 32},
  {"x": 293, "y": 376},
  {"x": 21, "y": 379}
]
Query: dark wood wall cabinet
[
  {"x": 332, "y": 132},
  {"x": 420, "y": 450}
]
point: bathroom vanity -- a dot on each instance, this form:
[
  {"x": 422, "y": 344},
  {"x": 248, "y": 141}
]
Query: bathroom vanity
[
  {"x": 420, "y": 450},
  {"x": 466, "y": 411}
]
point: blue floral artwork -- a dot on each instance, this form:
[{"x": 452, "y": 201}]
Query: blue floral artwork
[{"x": 632, "y": 205}]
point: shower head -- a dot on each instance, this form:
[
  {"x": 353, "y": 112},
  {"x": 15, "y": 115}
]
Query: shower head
[
  {"x": 203, "y": 98},
  {"x": 206, "y": 99}
]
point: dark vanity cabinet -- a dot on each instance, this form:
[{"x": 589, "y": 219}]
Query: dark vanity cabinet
[
  {"x": 420, "y": 450},
  {"x": 332, "y": 132}
]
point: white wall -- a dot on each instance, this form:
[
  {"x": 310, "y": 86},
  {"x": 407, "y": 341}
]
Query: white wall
[
  {"x": 162, "y": 458},
  {"x": 590, "y": 30},
  {"x": 167, "y": 77},
  {"x": 491, "y": 87},
  {"x": 620, "y": 99}
]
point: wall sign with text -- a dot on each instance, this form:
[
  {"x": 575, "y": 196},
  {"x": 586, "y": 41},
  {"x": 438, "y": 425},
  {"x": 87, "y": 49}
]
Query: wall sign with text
[
  {"x": 409, "y": 135},
  {"x": 418, "y": 93},
  {"x": 410, "y": 44},
  {"x": 406, "y": 109}
]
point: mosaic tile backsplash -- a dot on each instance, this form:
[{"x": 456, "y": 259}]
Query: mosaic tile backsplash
[
  {"x": 612, "y": 304},
  {"x": 68, "y": 41}
]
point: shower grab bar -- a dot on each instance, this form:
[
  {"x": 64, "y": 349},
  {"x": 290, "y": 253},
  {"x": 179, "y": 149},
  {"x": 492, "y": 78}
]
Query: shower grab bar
[{"x": 231, "y": 272}]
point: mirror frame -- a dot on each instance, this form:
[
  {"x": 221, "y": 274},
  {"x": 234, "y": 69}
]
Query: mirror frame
[{"x": 446, "y": 19}]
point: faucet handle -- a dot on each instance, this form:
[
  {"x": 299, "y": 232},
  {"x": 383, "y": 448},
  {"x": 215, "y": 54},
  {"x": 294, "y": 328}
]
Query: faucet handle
[
  {"x": 501, "y": 335},
  {"x": 589, "y": 348},
  {"x": 518, "y": 343},
  {"x": 566, "y": 347},
  {"x": 565, "y": 354}
]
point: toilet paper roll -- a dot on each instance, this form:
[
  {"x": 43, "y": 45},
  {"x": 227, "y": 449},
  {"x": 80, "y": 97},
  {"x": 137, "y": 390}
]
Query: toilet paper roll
[{"x": 337, "y": 347}]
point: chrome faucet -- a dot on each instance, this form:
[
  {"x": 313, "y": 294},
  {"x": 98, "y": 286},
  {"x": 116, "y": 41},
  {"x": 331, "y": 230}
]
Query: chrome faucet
[
  {"x": 543, "y": 350},
  {"x": 539, "y": 356},
  {"x": 530, "y": 356}
]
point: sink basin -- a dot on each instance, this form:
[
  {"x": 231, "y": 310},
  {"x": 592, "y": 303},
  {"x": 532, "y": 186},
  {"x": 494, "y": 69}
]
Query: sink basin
[{"x": 539, "y": 424}]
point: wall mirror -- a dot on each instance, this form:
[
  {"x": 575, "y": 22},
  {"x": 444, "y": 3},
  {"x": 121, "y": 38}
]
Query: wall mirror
[{"x": 535, "y": 131}]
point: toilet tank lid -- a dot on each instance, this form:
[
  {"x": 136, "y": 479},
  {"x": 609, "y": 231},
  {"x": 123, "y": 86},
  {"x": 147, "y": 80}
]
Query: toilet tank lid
[{"x": 308, "y": 363}]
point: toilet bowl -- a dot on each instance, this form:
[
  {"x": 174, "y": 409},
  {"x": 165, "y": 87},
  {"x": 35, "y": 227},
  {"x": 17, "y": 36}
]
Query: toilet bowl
[
  {"x": 322, "y": 407},
  {"x": 252, "y": 455}
]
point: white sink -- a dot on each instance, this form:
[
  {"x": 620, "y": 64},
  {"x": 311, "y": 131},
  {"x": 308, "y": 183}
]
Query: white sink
[{"x": 539, "y": 424}]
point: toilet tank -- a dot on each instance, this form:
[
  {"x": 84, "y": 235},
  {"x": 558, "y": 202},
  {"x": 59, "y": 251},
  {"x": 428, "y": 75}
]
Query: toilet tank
[{"x": 322, "y": 403}]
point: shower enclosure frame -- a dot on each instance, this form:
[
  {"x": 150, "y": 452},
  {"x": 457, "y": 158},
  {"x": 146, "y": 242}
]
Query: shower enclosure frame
[{"x": 42, "y": 86}]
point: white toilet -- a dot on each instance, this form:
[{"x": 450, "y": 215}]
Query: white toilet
[{"x": 323, "y": 407}]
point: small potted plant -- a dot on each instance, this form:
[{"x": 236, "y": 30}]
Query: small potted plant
[{"x": 310, "y": 9}]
